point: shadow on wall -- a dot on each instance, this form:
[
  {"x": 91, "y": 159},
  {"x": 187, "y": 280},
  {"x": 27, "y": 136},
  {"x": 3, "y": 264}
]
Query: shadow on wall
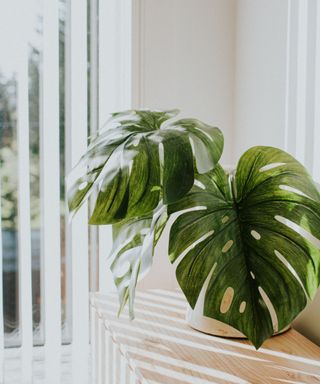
[{"x": 308, "y": 321}]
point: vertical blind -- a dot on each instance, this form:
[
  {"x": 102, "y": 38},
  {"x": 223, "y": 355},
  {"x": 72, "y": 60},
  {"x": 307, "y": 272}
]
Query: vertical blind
[
  {"x": 50, "y": 192},
  {"x": 62, "y": 62},
  {"x": 24, "y": 238},
  {"x": 77, "y": 141},
  {"x": 55, "y": 102}
]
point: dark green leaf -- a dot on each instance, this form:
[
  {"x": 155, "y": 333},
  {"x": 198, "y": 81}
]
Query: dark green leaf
[
  {"x": 178, "y": 172},
  {"x": 254, "y": 234}
]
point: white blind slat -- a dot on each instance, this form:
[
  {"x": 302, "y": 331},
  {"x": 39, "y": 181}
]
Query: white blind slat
[
  {"x": 50, "y": 197},
  {"x": 79, "y": 227},
  {"x": 115, "y": 61},
  {"x": 24, "y": 231},
  {"x": 94, "y": 117},
  {"x": 93, "y": 342},
  {"x": 108, "y": 95}
]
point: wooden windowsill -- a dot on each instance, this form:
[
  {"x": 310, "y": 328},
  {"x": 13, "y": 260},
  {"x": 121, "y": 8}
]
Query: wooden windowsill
[{"x": 159, "y": 347}]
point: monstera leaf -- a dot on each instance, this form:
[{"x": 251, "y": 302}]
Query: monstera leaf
[
  {"x": 140, "y": 158},
  {"x": 132, "y": 253},
  {"x": 251, "y": 240}
]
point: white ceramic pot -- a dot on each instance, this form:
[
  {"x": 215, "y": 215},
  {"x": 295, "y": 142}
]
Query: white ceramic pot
[
  {"x": 214, "y": 327},
  {"x": 196, "y": 320}
]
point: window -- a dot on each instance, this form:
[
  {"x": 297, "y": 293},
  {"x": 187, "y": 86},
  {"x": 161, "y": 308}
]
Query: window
[{"x": 58, "y": 67}]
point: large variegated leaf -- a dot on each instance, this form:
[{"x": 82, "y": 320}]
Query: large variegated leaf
[
  {"x": 132, "y": 252},
  {"x": 140, "y": 158},
  {"x": 251, "y": 240}
]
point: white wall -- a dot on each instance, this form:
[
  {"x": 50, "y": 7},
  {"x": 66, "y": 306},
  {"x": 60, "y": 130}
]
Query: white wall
[
  {"x": 185, "y": 59},
  {"x": 260, "y": 74}
]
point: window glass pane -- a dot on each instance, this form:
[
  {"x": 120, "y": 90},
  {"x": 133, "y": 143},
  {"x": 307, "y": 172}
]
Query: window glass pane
[
  {"x": 9, "y": 220},
  {"x": 9, "y": 171}
]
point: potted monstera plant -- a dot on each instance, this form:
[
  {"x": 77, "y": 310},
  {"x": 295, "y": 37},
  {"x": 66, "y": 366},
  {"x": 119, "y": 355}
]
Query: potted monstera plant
[{"x": 245, "y": 242}]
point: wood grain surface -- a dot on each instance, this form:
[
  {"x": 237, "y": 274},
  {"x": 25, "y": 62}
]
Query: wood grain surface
[{"x": 158, "y": 347}]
